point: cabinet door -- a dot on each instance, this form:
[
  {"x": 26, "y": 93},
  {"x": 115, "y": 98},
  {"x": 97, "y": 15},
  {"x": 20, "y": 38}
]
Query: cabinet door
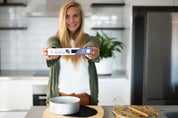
[
  {"x": 15, "y": 94},
  {"x": 13, "y": 114},
  {"x": 153, "y": 2},
  {"x": 114, "y": 92}
]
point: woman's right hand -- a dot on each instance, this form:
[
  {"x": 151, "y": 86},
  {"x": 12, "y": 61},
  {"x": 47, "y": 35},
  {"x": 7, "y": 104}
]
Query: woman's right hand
[{"x": 45, "y": 54}]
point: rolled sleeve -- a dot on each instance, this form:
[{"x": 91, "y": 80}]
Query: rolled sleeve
[
  {"x": 93, "y": 41},
  {"x": 53, "y": 42}
]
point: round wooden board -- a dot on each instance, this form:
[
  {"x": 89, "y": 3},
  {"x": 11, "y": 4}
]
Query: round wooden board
[{"x": 99, "y": 109}]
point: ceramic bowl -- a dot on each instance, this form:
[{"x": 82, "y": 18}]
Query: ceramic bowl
[{"x": 64, "y": 105}]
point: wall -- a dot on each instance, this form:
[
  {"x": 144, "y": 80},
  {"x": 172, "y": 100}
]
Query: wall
[{"x": 21, "y": 49}]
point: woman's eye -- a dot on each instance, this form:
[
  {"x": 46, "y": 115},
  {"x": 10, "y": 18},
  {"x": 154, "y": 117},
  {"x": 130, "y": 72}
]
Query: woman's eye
[
  {"x": 67, "y": 16},
  {"x": 75, "y": 15}
]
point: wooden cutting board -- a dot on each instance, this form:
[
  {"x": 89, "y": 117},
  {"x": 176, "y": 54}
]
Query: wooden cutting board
[{"x": 99, "y": 109}]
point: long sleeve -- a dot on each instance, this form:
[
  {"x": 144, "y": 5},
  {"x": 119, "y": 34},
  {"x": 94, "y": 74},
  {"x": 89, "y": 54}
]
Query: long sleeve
[
  {"x": 52, "y": 42},
  {"x": 93, "y": 42},
  {"x": 52, "y": 90}
]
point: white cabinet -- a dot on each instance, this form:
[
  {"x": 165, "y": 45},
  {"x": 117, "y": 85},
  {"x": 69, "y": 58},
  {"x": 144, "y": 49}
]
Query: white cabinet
[
  {"x": 153, "y": 2},
  {"x": 15, "y": 94},
  {"x": 111, "y": 90},
  {"x": 114, "y": 92},
  {"x": 12, "y": 114}
]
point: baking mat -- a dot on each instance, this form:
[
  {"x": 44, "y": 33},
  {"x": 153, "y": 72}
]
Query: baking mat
[
  {"x": 84, "y": 112},
  {"x": 99, "y": 114}
]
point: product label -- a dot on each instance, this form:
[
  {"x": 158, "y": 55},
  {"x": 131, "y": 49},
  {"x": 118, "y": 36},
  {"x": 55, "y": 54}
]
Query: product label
[{"x": 69, "y": 51}]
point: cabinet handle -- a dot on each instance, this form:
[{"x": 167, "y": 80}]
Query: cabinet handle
[{"x": 42, "y": 97}]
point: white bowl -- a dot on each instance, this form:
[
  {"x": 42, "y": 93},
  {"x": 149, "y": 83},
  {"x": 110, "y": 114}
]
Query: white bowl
[{"x": 64, "y": 105}]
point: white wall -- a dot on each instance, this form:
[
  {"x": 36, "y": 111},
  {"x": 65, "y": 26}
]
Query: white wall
[{"x": 21, "y": 49}]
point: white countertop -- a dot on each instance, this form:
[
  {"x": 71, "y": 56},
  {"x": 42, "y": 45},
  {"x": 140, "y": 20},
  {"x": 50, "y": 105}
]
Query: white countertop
[{"x": 44, "y": 74}]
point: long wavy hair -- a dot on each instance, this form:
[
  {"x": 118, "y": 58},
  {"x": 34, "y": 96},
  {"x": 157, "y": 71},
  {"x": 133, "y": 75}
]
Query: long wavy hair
[{"x": 64, "y": 35}]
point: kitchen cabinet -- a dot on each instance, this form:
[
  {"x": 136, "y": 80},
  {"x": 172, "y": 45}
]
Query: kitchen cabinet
[
  {"x": 15, "y": 94},
  {"x": 13, "y": 114},
  {"x": 113, "y": 92},
  {"x": 153, "y": 2}
]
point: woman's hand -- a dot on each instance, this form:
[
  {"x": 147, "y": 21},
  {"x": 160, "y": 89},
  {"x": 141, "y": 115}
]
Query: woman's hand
[
  {"x": 45, "y": 54},
  {"x": 96, "y": 53}
]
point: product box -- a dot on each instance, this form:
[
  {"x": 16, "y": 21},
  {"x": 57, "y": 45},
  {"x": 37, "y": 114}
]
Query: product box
[{"x": 69, "y": 51}]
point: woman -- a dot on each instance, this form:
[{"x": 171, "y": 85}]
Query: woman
[{"x": 73, "y": 75}]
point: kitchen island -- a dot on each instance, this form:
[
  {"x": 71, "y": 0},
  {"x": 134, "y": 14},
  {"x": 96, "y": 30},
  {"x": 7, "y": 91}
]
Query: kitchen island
[
  {"x": 37, "y": 111},
  {"x": 26, "y": 82}
]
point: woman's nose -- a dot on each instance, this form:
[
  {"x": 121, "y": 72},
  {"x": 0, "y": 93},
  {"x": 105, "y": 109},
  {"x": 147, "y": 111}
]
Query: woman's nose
[{"x": 71, "y": 19}]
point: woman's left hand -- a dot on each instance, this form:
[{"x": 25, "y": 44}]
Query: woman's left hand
[{"x": 96, "y": 53}]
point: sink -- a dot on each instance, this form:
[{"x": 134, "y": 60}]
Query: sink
[{"x": 170, "y": 113}]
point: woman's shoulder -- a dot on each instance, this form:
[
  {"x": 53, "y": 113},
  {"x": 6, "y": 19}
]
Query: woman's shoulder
[
  {"x": 92, "y": 41},
  {"x": 90, "y": 37},
  {"x": 53, "y": 38},
  {"x": 53, "y": 41}
]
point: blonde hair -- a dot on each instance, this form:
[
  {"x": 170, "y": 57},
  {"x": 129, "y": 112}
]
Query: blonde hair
[{"x": 63, "y": 34}]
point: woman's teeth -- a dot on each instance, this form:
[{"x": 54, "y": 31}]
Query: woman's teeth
[{"x": 71, "y": 25}]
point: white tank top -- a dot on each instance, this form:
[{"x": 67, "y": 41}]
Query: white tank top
[{"x": 73, "y": 79}]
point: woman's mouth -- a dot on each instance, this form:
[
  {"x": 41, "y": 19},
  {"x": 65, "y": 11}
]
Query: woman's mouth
[{"x": 72, "y": 25}]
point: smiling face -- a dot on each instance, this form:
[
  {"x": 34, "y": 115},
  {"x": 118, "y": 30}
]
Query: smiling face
[{"x": 73, "y": 19}]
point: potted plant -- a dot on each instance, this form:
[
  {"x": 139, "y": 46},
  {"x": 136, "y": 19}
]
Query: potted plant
[{"x": 107, "y": 48}]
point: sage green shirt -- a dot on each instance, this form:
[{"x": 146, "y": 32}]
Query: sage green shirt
[{"x": 54, "y": 65}]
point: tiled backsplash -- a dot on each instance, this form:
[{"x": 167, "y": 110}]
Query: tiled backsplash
[{"x": 22, "y": 49}]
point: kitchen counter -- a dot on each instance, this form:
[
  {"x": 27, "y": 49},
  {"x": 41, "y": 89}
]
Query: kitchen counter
[
  {"x": 21, "y": 73},
  {"x": 38, "y": 74},
  {"x": 37, "y": 111},
  {"x": 31, "y": 75}
]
